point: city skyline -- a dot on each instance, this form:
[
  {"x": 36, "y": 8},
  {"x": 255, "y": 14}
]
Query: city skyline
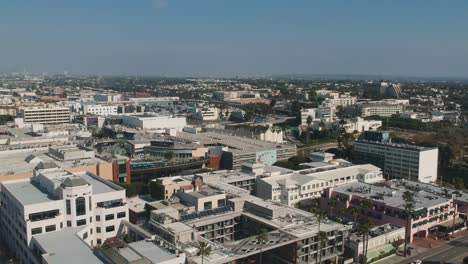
[{"x": 227, "y": 39}]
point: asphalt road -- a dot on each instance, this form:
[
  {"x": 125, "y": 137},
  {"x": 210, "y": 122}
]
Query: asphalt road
[{"x": 453, "y": 252}]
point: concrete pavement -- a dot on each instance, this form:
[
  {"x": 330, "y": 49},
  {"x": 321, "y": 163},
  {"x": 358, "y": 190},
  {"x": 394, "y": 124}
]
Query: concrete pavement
[{"x": 452, "y": 251}]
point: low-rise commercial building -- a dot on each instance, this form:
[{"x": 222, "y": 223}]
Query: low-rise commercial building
[
  {"x": 300, "y": 186},
  {"x": 384, "y": 204},
  {"x": 154, "y": 122}
]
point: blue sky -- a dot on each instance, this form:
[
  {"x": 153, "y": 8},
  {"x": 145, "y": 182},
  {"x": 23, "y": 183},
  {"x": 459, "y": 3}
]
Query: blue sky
[{"x": 238, "y": 37}]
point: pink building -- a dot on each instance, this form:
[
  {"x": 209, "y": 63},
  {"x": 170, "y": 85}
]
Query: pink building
[{"x": 385, "y": 204}]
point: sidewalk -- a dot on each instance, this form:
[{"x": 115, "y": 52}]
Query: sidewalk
[{"x": 421, "y": 248}]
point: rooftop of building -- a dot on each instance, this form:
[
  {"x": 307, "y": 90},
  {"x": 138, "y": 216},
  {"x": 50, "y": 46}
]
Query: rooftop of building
[
  {"x": 237, "y": 145},
  {"x": 205, "y": 191},
  {"x": 29, "y": 191},
  {"x": 376, "y": 231},
  {"x": 25, "y": 160},
  {"x": 75, "y": 252},
  {"x": 152, "y": 252},
  {"x": 396, "y": 145},
  {"x": 321, "y": 173},
  {"x": 390, "y": 196}
]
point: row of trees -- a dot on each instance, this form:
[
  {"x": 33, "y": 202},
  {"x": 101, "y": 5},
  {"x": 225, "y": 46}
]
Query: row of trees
[{"x": 362, "y": 224}]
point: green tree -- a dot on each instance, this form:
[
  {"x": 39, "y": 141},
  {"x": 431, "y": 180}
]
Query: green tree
[
  {"x": 331, "y": 205},
  {"x": 322, "y": 236},
  {"x": 319, "y": 215},
  {"x": 410, "y": 203},
  {"x": 309, "y": 122},
  {"x": 203, "y": 250},
  {"x": 363, "y": 229},
  {"x": 262, "y": 237},
  {"x": 354, "y": 212}
]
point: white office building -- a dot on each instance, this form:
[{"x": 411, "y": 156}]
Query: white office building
[
  {"x": 305, "y": 113},
  {"x": 297, "y": 186},
  {"x": 360, "y": 125},
  {"x": 56, "y": 203},
  {"x": 399, "y": 160},
  {"x": 102, "y": 110},
  {"x": 154, "y": 122}
]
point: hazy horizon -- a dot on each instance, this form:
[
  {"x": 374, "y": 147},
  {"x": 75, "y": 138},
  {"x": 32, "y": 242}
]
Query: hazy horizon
[{"x": 172, "y": 38}]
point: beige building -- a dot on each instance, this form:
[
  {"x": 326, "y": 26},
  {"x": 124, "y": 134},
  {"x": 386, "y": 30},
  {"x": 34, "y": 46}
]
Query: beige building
[
  {"x": 165, "y": 187},
  {"x": 11, "y": 111},
  {"x": 46, "y": 115}
]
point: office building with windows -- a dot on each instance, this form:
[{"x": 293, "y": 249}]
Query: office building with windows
[
  {"x": 55, "y": 200},
  {"x": 46, "y": 115},
  {"x": 402, "y": 161}
]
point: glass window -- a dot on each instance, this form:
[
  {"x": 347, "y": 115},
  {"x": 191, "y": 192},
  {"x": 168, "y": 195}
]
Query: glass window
[
  {"x": 81, "y": 222},
  {"x": 110, "y": 228},
  {"x": 109, "y": 217},
  {"x": 98, "y": 230},
  {"x": 80, "y": 206},
  {"x": 98, "y": 218},
  {"x": 121, "y": 215},
  {"x": 207, "y": 206},
  {"x": 36, "y": 231},
  {"x": 68, "y": 207},
  {"x": 68, "y": 223},
  {"x": 50, "y": 228}
]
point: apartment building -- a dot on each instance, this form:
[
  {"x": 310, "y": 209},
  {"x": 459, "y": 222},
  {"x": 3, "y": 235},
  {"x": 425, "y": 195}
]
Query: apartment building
[
  {"x": 397, "y": 160},
  {"x": 46, "y": 115},
  {"x": 230, "y": 228},
  {"x": 55, "y": 200}
]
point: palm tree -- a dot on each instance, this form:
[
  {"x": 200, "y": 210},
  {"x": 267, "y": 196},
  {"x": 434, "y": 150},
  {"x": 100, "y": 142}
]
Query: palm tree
[
  {"x": 321, "y": 237},
  {"x": 410, "y": 202},
  {"x": 309, "y": 122},
  {"x": 319, "y": 215},
  {"x": 354, "y": 212},
  {"x": 457, "y": 194},
  {"x": 364, "y": 228},
  {"x": 262, "y": 237},
  {"x": 203, "y": 250},
  {"x": 331, "y": 204}
]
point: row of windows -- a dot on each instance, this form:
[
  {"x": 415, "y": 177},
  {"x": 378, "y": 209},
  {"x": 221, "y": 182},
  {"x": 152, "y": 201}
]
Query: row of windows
[
  {"x": 38, "y": 230},
  {"x": 111, "y": 216}
]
